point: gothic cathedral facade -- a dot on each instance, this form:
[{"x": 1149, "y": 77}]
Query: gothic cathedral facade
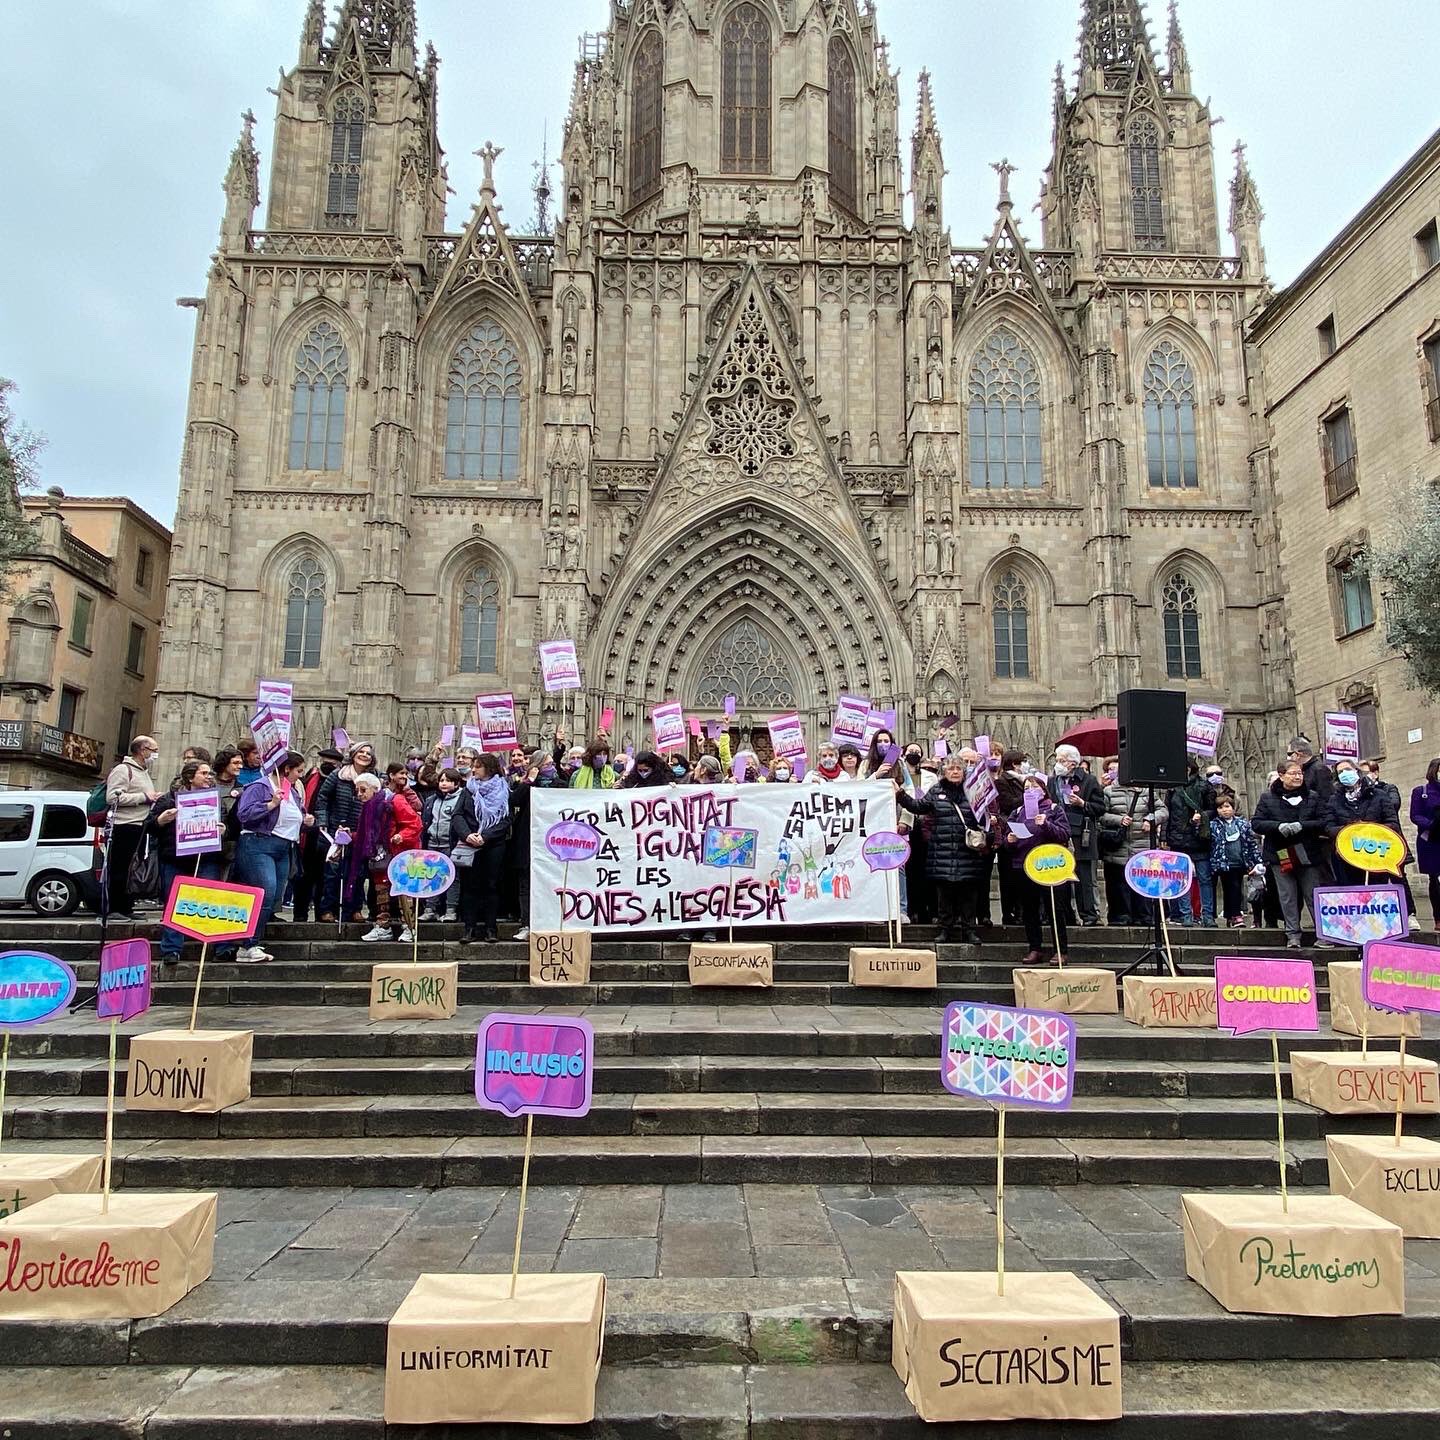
[{"x": 735, "y": 425}]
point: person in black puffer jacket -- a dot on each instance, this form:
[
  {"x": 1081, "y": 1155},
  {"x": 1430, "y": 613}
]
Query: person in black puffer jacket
[
  {"x": 955, "y": 868},
  {"x": 1356, "y": 799},
  {"x": 1191, "y": 808},
  {"x": 1291, "y": 820},
  {"x": 337, "y": 807}
]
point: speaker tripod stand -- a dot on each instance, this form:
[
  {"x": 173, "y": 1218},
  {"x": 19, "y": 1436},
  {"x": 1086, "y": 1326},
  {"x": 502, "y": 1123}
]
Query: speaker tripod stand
[{"x": 1158, "y": 953}]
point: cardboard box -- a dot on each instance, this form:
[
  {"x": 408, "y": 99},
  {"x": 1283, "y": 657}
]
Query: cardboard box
[
  {"x": 195, "y": 1071},
  {"x": 560, "y": 957},
  {"x": 459, "y": 1349},
  {"x": 61, "y": 1259},
  {"x": 26, "y": 1179},
  {"x": 1350, "y": 1015},
  {"x": 892, "y": 969},
  {"x": 1167, "y": 1001},
  {"x": 744, "y": 964},
  {"x": 1049, "y": 1349},
  {"x": 400, "y": 990},
  {"x": 1345, "y": 1082},
  {"x": 1324, "y": 1256},
  {"x": 1071, "y": 989},
  {"x": 1400, "y": 1183}
]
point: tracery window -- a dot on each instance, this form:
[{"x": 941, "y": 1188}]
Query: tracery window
[
  {"x": 347, "y": 148},
  {"x": 750, "y": 405},
  {"x": 479, "y": 622},
  {"x": 842, "y": 125},
  {"x": 1005, "y": 413},
  {"x": 304, "y": 614},
  {"x": 317, "y": 401},
  {"x": 744, "y": 663},
  {"x": 1181, "y": 607},
  {"x": 482, "y": 418},
  {"x": 646, "y": 110},
  {"x": 745, "y": 91},
  {"x": 1010, "y": 614},
  {"x": 1170, "y": 418},
  {"x": 1146, "y": 207}
]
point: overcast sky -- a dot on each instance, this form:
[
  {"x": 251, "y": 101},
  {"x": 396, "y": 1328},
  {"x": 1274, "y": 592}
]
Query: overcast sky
[{"x": 118, "y": 118}]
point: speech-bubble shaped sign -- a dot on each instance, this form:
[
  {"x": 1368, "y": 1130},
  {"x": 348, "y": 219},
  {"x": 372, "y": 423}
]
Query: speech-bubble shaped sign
[
  {"x": 1008, "y": 1056},
  {"x": 1397, "y": 975},
  {"x": 1160, "y": 874},
  {"x": 534, "y": 1065},
  {"x": 572, "y": 840},
  {"x": 885, "y": 850},
  {"x": 729, "y": 847},
  {"x": 1254, "y": 994},
  {"x": 124, "y": 990},
  {"x": 1358, "y": 914},
  {"x": 213, "y": 909},
  {"x": 420, "y": 874},
  {"x": 1050, "y": 865},
  {"x": 34, "y": 986},
  {"x": 1368, "y": 846}
]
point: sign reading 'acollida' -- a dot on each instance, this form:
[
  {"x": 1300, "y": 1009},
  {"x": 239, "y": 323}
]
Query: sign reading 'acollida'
[{"x": 213, "y": 909}]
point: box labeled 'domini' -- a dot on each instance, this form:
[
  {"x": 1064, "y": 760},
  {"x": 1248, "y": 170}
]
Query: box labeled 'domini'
[
  {"x": 459, "y": 1349},
  {"x": 196, "y": 1071}
]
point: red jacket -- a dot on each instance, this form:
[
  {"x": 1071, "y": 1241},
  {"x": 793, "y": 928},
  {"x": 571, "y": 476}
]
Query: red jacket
[{"x": 404, "y": 822}]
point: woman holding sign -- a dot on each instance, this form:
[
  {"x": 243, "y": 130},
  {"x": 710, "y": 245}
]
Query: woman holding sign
[
  {"x": 161, "y": 826},
  {"x": 480, "y": 831},
  {"x": 958, "y": 855},
  {"x": 1037, "y": 820},
  {"x": 271, "y": 814},
  {"x": 1425, "y": 817},
  {"x": 1356, "y": 798},
  {"x": 1291, "y": 819}
]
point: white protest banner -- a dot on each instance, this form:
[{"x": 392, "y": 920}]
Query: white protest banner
[
  {"x": 1342, "y": 736},
  {"x": 852, "y": 714},
  {"x": 272, "y": 738},
  {"x": 673, "y": 858},
  {"x": 787, "y": 735},
  {"x": 559, "y": 666},
  {"x": 278, "y": 696},
  {"x": 197, "y": 822},
  {"x": 1202, "y": 729},
  {"x": 496, "y": 714},
  {"x": 669, "y": 723}
]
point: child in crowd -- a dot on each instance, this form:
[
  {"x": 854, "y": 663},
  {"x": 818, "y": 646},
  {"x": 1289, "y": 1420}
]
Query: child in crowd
[
  {"x": 404, "y": 827},
  {"x": 370, "y": 854},
  {"x": 1234, "y": 854},
  {"x": 448, "y": 786}
]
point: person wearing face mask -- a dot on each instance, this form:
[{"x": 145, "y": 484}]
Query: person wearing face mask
[
  {"x": 647, "y": 772},
  {"x": 916, "y": 892},
  {"x": 1191, "y": 807},
  {"x": 875, "y": 765},
  {"x": 677, "y": 768},
  {"x": 959, "y": 852},
  {"x": 1079, "y": 792},
  {"x": 1127, "y": 827},
  {"x": 1010, "y": 793},
  {"x": 1291, "y": 819},
  {"x": 337, "y": 808},
  {"x": 1425, "y": 817},
  {"x": 194, "y": 775},
  {"x": 435, "y": 828},
  {"x": 309, "y": 889},
  {"x": 782, "y": 772},
  {"x": 594, "y": 772},
  {"x": 129, "y": 792},
  {"x": 1049, "y": 825},
  {"x": 1355, "y": 799},
  {"x": 827, "y": 770}
]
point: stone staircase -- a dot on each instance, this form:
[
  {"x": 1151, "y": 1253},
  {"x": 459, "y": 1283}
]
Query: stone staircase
[{"x": 755, "y": 1167}]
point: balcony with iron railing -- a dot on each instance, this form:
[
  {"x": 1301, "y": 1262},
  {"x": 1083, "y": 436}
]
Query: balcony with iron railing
[
  {"x": 62, "y": 749},
  {"x": 1341, "y": 481}
]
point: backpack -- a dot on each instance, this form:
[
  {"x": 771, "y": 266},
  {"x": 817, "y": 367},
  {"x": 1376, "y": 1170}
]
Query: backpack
[{"x": 97, "y": 805}]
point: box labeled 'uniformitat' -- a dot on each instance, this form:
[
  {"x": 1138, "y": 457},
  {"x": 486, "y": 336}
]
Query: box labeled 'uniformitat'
[
  {"x": 196, "y": 1071},
  {"x": 1167, "y": 1001},
  {"x": 1048, "y": 1349},
  {"x": 1071, "y": 989},
  {"x": 1324, "y": 1255},
  {"x": 460, "y": 1349},
  {"x": 749, "y": 964},
  {"x": 1345, "y": 1082},
  {"x": 1400, "y": 1183},
  {"x": 892, "y": 969},
  {"x": 1350, "y": 1015},
  {"x": 400, "y": 990},
  {"x": 28, "y": 1178}
]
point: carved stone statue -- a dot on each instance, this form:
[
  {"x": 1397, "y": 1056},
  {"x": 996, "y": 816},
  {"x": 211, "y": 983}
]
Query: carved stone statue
[
  {"x": 935, "y": 377},
  {"x": 932, "y": 551},
  {"x": 572, "y": 547},
  {"x": 568, "y": 367},
  {"x": 947, "y": 553},
  {"x": 553, "y": 541}
]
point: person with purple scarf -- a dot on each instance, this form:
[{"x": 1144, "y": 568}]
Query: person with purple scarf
[
  {"x": 1425, "y": 817},
  {"x": 480, "y": 832}
]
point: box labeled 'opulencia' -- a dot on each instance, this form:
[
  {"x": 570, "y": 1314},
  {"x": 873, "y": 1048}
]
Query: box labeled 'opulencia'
[
  {"x": 560, "y": 957},
  {"x": 1164, "y": 1001},
  {"x": 1071, "y": 989},
  {"x": 400, "y": 990},
  {"x": 1345, "y": 1082},
  {"x": 196, "y": 1071},
  {"x": 730, "y": 965},
  {"x": 1048, "y": 1349},
  {"x": 892, "y": 969},
  {"x": 460, "y": 1349},
  {"x": 1400, "y": 1183},
  {"x": 26, "y": 1179}
]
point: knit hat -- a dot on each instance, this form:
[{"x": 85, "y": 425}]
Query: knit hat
[{"x": 710, "y": 764}]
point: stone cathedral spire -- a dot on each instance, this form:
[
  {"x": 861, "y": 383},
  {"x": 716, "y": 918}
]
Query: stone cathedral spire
[
  {"x": 1245, "y": 217},
  {"x": 242, "y": 187},
  {"x": 1177, "y": 57},
  {"x": 927, "y": 165}
]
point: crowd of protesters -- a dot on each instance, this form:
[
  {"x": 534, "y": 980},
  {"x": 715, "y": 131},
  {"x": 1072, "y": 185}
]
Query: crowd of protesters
[{"x": 319, "y": 837}]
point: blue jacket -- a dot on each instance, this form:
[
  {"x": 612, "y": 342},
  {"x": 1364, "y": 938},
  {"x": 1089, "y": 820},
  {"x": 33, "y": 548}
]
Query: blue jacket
[{"x": 1249, "y": 846}]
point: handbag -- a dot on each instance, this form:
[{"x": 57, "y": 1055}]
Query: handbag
[
  {"x": 975, "y": 839},
  {"x": 142, "y": 880},
  {"x": 463, "y": 856},
  {"x": 1254, "y": 888},
  {"x": 1112, "y": 841}
]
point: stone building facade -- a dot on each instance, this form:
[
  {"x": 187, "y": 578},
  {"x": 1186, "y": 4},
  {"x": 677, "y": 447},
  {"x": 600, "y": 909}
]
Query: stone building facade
[
  {"x": 1350, "y": 355},
  {"x": 738, "y": 425}
]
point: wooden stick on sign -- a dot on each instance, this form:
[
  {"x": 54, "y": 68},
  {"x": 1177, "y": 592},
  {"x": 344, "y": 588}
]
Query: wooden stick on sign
[
  {"x": 4, "y": 1075},
  {"x": 1165, "y": 933},
  {"x": 1400, "y": 1088},
  {"x": 1055, "y": 925},
  {"x": 1000, "y": 1201},
  {"x": 199, "y": 975},
  {"x": 524, "y": 1191},
  {"x": 1280, "y": 1114},
  {"x": 109, "y": 1123}
]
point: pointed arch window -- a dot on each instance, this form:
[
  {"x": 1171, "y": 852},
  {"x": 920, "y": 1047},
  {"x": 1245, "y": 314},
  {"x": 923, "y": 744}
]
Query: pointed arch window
[
  {"x": 1181, "y": 606},
  {"x": 843, "y": 155},
  {"x": 745, "y": 92},
  {"x": 1170, "y": 418},
  {"x": 646, "y": 112},
  {"x": 479, "y": 622},
  {"x": 304, "y": 614},
  {"x": 317, "y": 401},
  {"x": 1146, "y": 207},
  {"x": 483, "y": 410},
  {"x": 744, "y": 663},
  {"x": 1010, "y": 613},
  {"x": 1005, "y": 414},
  {"x": 347, "y": 150}
]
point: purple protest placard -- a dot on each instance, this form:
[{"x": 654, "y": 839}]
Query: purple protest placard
[
  {"x": 729, "y": 704},
  {"x": 197, "y": 822},
  {"x": 1398, "y": 975},
  {"x": 1008, "y": 1056},
  {"x": 559, "y": 666},
  {"x": 278, "y": 697},
  {"x": 1359, "y": 914},
  {"x": 787, "y": 734},
  {"x": 851, "y": 714},
  {"x": 572, "y": 840},
  {"x": 271, "y": 736},
  {"x": 534, "y": 1065},
  {"x": 1342, "y": 736},
  {"x": 124, "y": 989},
  {"x": 980, "y": 791},
  {"x": 340, "y": 738},
  {"x": 496, "y": 714},
  {"x": 1253, "y": 994},
  {"x": 669, "y": 723},
  {"x": 1202, "y": 729}
]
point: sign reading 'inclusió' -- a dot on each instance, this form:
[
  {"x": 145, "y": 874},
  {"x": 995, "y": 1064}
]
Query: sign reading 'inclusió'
[
  {"x": 534, "y": 1065},
  {"x": 213, "y": 909},
  {"x": 1252, "y": 994}
]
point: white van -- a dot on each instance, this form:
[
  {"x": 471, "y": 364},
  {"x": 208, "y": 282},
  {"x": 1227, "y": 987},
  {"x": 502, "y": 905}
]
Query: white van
[{"x": 47, "y": 851}]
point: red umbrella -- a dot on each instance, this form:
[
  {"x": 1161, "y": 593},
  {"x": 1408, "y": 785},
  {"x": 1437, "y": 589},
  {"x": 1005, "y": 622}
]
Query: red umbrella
[{"x": 1093, "y": 737}]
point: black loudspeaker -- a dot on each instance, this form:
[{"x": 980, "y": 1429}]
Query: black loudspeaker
[{"x": 1152, "y": 737}]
